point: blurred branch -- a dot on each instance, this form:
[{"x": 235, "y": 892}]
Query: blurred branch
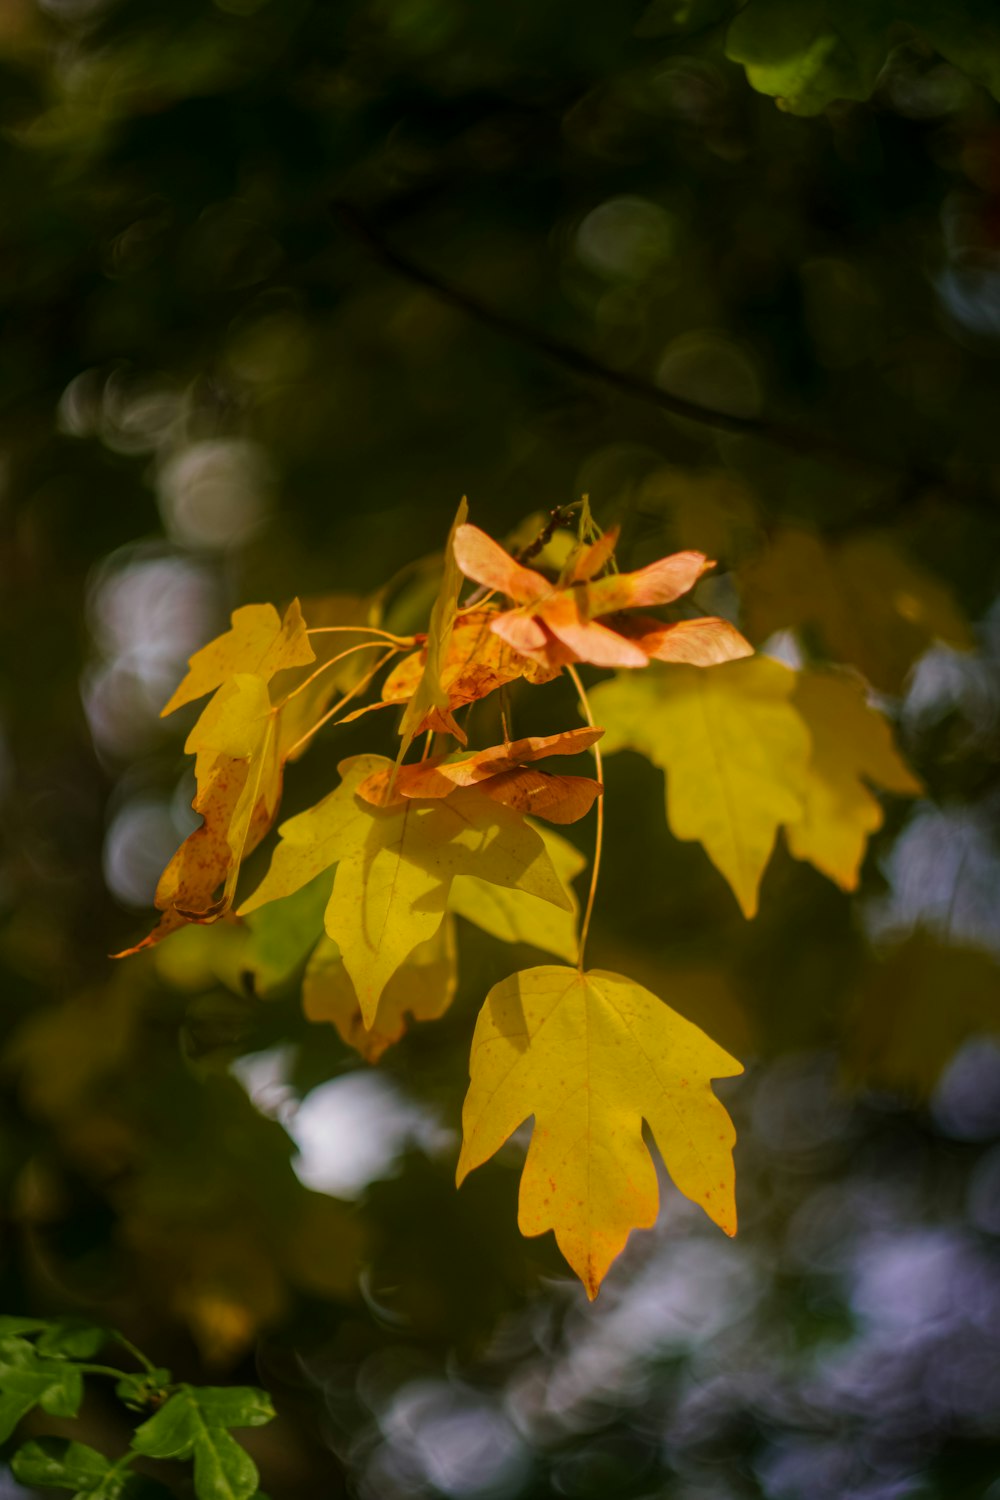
[{"x": 790, "y": 436}]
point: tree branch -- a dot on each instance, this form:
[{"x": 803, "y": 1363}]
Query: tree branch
[{"x": 791, "y": 437}]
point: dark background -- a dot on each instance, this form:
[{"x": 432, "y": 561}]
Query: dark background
[{"x": 252, "y": 257}]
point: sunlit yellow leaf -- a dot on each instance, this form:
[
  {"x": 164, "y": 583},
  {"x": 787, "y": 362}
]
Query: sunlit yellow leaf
[
  {"x": 591, "y": 1056},
  {"x": 733, "y": 747},
  {"x": 514, "y": 916},
  {"x": 239, "y": 776},
  {"x": 238, "y": 729},
  {"x": 259, "y": 643},
  {"x": 851, "y": 745},
  {"x": 421, "y": 989}
]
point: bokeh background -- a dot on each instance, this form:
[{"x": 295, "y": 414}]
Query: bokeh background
[{"x": 252, "y": 257}]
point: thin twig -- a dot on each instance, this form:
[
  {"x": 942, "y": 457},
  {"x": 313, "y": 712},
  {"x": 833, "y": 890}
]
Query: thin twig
[{"x": 574, "y": 677}]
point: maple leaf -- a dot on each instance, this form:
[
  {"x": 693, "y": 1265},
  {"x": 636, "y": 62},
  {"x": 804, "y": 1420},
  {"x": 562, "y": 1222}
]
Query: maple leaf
[
  {"x": 239, "y": 775},
  {"x": 870, "y": 605},
  {"x": 514, "y": 916},
  {"x": 259, "y": 643},
  {"x": 395, "y": 866},
  {"x": 238, "y": 761},
  {"x": 421, "y": 989},
  {"x": 429, "y": 702},
  {"x": 555, "y": 625},
  {"x": 734, "y": 749},
  {"x": 500, "y": 772},
  {"x": 242, "y": 741},
  {"x": 590, "y": 1056},
  {"x": 753, "y": 746},
  {"x": 851, "y": 743}
]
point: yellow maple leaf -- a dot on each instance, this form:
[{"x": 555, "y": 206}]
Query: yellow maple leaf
[
  {"x": 239, "y": 776},
  {"x": 395, "y": 866},
  {"x": 871, "y": 606},
  {"x": 515, "y": 916},
  {"x": 240, "y": 743},
  {"x": 733, "y": 747},
  {"x": 851, "y": 744},
  {"x": 259, "y": 642},
  {"x": 592, "y": 1055},
  {"x": 421, "y": 989}
]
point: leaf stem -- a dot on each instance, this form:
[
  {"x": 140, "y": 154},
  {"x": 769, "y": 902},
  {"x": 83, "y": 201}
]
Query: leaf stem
[
  {"x": 386, "y": 635},
  {"x": 136, "y": 1354},
  {"x": 574, "y": 677},
  {"x": 358, "y": 687},
  {"x": 363, "y": 646}
]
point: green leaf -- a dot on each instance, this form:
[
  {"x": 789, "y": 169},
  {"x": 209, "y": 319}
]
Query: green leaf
[
  {"x": 15, "y": 1353},
  {"x": 170, "y": 1432},
  {"x": 13, "y": 1326},
  {"x": 54, "y": 1386},
  {"x": 12, "y": 1408},
  {"x": 234, "y": 1405},
  {"x": 283, "y": 934},
  {"x": 222, "y": 1469},
  {"x": 73, "y": 1339},
  {"x": 808, "y": 53},
  {"x": 192, "y": 1425},
  {"x": 62, "y": 1464}
]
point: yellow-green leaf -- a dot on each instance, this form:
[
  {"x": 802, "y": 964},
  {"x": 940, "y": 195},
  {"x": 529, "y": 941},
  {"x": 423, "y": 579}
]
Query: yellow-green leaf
[
  {"x": 395, "y": 866},
  {"x": 591, "y": 1056},
  {"x": 421, "y": 990},
  {"x": 734, "y": 750},
  {"x": 319, "y": 837},
  {"x": 515, "y": 917},
  {"x": 851, "y": 745},
  {"x": 237, "y": 726},
  {"x": 259, "y": 643}
]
